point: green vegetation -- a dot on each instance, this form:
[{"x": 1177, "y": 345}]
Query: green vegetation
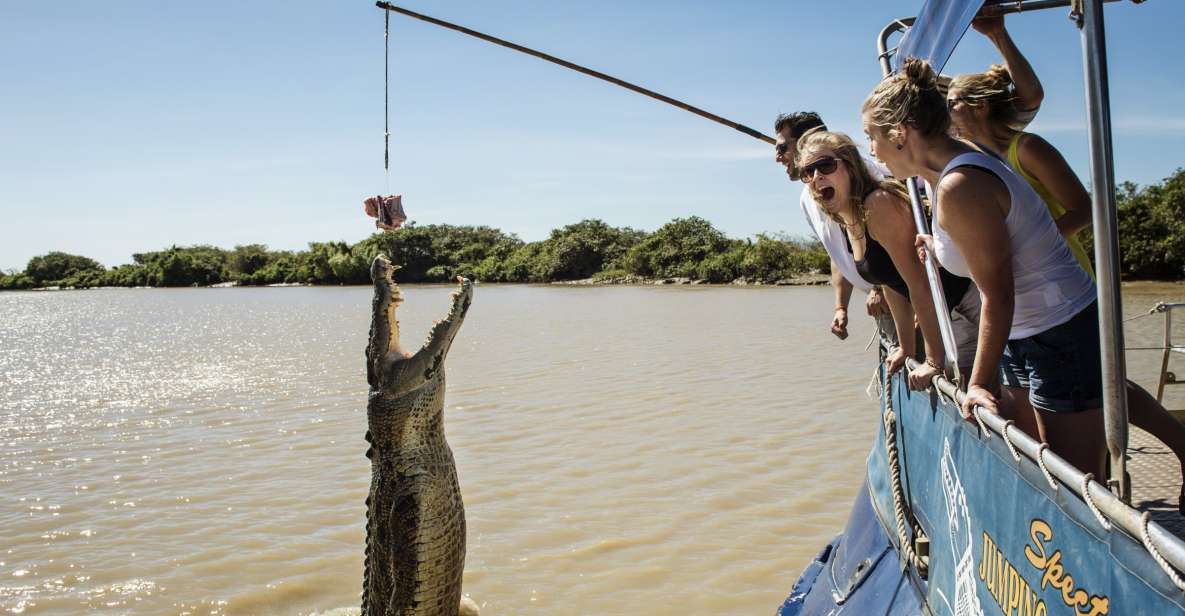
[
  {"x": 1151, "y": 229},
  {"x": 686, "y": 247}
]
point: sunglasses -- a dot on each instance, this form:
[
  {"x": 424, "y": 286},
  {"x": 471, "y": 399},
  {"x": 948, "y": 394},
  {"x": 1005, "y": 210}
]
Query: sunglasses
[{"x": 825, "y": 165}]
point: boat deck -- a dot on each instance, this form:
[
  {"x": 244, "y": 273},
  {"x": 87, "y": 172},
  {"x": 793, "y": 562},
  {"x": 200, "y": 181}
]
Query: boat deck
[{"x": 1156, "y": 480}]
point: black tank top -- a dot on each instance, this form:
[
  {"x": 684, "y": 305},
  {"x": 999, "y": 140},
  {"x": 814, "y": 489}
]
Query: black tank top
[{"x": 877, "y": 267}]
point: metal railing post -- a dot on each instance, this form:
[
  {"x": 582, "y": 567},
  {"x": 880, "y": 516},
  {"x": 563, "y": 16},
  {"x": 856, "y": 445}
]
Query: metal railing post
[
  {"x": 941, "y": 310},
  {"x": 1168, "y": 351},
  {"x": 1106, "y": 245}
]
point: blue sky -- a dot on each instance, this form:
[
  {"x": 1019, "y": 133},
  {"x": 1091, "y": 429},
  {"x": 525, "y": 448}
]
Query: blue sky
[{"x": 130, "y": 126}]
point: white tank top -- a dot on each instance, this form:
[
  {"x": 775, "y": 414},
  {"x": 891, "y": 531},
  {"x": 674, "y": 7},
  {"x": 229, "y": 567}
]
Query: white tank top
[{"x": 1050, "y": 286}]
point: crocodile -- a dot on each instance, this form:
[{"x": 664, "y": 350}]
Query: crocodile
[{"x": 415, "y": 520}]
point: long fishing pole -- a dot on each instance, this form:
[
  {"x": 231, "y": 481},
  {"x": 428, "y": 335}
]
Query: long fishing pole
[{"x": 580, "y": 69}]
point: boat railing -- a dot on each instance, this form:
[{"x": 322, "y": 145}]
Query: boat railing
[
  {"x": 1167, "y": 377},
  {"x": 1165, "y": 548}
]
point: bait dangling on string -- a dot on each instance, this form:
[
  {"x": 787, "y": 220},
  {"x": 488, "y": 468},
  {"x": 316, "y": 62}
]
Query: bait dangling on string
[{"x": 387, "y": 209}]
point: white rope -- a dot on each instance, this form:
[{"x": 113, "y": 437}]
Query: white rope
[
  {"x": 875, "y": 335},
  {"x": 874, "y": 385},
  {"x": 1160, "y": 560},
  {"x": 1041, "y": 463},
  {"x": 942, "y": 395},
  {"x": 976, "y": 411},
  {"x": 899, "y": 505},
  {"x": 1160, "y": 307},
  {"x": 1008, "y": 441},
  {"x": 1090, "y": 501}
]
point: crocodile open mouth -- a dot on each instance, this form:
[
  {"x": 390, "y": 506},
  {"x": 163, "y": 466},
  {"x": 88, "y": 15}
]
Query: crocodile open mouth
[{"x": 390, "y": 297}]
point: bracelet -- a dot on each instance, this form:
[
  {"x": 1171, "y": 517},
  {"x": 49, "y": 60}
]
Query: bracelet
[
  {"x": 933, "y": 364},
  {"x": 838, "y": 308}
]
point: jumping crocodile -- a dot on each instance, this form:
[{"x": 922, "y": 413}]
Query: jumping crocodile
[{"x": 415, "y": 521}]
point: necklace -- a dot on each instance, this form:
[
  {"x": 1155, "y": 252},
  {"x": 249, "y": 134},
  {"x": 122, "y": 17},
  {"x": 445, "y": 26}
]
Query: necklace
[{"x": 851, "y": 231}]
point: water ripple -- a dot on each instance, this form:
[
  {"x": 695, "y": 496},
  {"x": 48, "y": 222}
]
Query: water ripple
[{"x": 200, "y": 451}]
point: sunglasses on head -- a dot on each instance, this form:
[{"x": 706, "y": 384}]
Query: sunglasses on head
[{"x": 825, "y": 165}]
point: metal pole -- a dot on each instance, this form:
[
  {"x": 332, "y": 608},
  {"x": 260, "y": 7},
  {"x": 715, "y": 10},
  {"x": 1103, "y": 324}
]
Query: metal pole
[
  {"x": 1106, "y": 244},
  {"x": 580, "y": 69},
  {"x": 882, "y": 42},
  {"x": 1168, "y": 350},
  {"x": 941, "y": 310},
  {"x": 1033, "y": 5}
]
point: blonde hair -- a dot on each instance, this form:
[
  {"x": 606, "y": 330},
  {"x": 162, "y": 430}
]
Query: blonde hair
[
  {"x": 992, "y": 88},
  {"x": 863, "y": 183},
  {"x": 910, "y": 96}
]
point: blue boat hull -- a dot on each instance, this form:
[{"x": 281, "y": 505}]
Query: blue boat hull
[
  {"x": 857, "y": 573},
  {"x": 1002, "y": 540}
]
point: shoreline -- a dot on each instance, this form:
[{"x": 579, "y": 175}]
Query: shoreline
[
  {"x": 805, "y": 280},
  {"x": 796, "y": 281}
]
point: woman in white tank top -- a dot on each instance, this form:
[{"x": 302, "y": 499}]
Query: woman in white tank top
[{"x": 989, "y": 224}]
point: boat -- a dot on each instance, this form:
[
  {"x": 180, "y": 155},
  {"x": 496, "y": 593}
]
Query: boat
[{"x": 975, "y": 517}]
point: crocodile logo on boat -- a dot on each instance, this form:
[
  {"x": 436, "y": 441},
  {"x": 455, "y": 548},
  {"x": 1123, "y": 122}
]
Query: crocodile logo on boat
[{"x": 959, "y": 523}]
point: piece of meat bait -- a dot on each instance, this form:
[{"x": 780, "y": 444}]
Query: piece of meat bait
[{"x": 388, "y": 210}]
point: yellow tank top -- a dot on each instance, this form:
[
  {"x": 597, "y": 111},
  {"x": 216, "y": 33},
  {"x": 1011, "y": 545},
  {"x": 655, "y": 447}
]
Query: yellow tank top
[{"x": 1055, "y": 207}]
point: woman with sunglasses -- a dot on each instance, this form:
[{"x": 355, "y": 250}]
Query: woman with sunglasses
[
  {"x": 984, "y": 109},
  {"x": 878, "y": 226},
  {"x": 1038, "y": 327}
]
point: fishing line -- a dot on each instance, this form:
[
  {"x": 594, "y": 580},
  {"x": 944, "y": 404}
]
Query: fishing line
[{"x": 386, "y": 101}]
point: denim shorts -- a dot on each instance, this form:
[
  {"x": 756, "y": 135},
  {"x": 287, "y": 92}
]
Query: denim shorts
[{"x": 1060, "y": 366}]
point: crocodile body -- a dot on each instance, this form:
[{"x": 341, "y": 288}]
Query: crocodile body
[{"x": 415, "y": 521}]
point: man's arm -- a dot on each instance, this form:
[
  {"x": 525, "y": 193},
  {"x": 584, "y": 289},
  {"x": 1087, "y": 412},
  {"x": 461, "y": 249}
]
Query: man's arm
[
  {"x": 1029, "y": 92},
  {"x": 843, "y": 295}
]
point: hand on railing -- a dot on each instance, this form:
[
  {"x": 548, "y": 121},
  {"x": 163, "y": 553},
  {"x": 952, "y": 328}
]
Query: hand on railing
[
  {"x": 895, "y": 360},
  {"x": 989, "y": 26},
  {"x": 924, "y": 242},
  {"x": 978, "y": 396},
  {"x": 923, "y": 375}
]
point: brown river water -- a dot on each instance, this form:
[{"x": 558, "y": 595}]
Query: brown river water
[{"x": 621, "y": 450}]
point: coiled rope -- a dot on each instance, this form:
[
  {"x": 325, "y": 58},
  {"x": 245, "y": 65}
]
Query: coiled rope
[{"x": 899, "y": 504}]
